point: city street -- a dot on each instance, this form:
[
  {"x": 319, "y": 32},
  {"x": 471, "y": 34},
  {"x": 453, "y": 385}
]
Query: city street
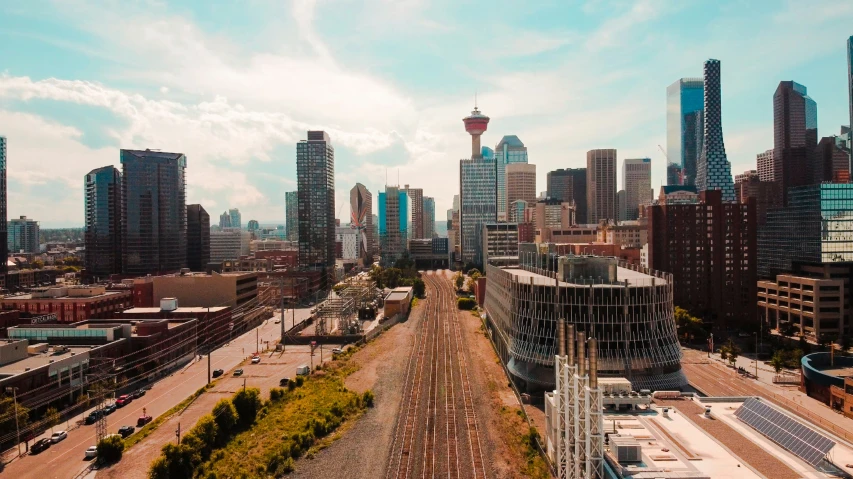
[{"x": 65, "y": 459}]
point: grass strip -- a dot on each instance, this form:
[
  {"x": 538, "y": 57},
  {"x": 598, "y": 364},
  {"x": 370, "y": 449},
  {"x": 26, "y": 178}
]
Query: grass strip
[{"x": 153, "y": 425}]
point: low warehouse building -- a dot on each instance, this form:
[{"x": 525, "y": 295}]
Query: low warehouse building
[{"x": 398, "y": 301}]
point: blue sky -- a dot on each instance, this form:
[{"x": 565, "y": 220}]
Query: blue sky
[{"x": 235, "y": 84}]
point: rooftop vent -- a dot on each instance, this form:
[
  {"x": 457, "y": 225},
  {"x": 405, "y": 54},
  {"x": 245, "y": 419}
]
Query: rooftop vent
[{"x": 168, "y": 304}]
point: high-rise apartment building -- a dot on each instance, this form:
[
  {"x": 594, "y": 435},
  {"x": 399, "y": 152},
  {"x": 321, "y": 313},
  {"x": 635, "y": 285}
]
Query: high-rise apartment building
[
  {"x": 361, "y": 219},
  {"x": 569, "y": 185},
  {"x": 684, "y": 105},
  {"x": 395, "y": 221},
  {"x": 601, "y": 185},
  {"x": 637, "y": 182},
  {"x": 429, "y": 217},
  {"x": 710, "y": 249},
  {"x": 103, "y": 221},
  {"x": 291, "y": 201},
  {"x": 765, "y": 165},
  {"x": 510, "y": 150},
  {"x": 814, "y": 227},
  {"x": 713, "y": 170},
  {"x": 225, "y": 220},
  {"x": 765, "y": 194},
  {"x": 154, "y": 212},
  {"x": 520, "y": 183},
  {"x": 198, "y": 238},
  {"x": 417, "y": 199},
  {"x": 23, "y": 235},
  {"x": 794, "y": 136},
  {"x": 315, "y": 172},
  {"x": 236, "y": 221},
  {"x": 4, "y": 246}
]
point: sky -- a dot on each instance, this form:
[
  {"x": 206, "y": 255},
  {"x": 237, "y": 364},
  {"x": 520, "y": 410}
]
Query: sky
[{"x": 236, "y": 84}]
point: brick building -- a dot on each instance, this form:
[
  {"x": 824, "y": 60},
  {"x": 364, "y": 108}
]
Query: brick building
[{"x": 70, "y": 304}]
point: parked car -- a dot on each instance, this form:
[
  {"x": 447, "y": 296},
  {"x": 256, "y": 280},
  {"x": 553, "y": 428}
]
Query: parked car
[
  {"x": 91, "y": 452},
  {"x": 125, "y": 431},
  {"x": 58, "y": 436},
  {"x": 277, "y": 321},
  {"x": 123, "y": 400},
  {"x": 256, "y": 359},
  {"x": 283, "y": 381},
  {"x": 40, "y": 445},
  {"x": 337, "y": 351},
  {"x": 137, "y": 394},
  {"x": 93, "y": 417},
  {"x": 218, "y": 372},
  {"x": 143, "y": 420},
  {"x": 303, "y": 370},
  {"x": 238, "y": 372},
  {"x": 110, "y": 408}
]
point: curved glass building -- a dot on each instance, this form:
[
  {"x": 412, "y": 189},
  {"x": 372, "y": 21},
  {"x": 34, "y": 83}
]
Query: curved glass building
[{"x": 628, "y": 309}]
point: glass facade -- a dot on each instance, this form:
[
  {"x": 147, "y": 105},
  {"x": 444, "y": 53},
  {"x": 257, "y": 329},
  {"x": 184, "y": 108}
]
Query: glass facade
[
  {"x": 683, "y": 98},
  {"x": 234, "y": 216},
  {"x": 315, "y": 171},
  {"x": 154, "y": 212},
  {"x": 569, "y": 185},
  {"x": 45, "y": 334},
  {"x": 4, "y": 246},
  {"x": 849, "y": 99},
  {"x": 103, "y": 221},
  {"x": 508, "y": 151},
  {"x": 198, "y": 238},
  {"x": 23, "y": 235},
  {"x": 429, "y": 217},
  {"x": 815, "y": 227},
  {"x": 291, "y": 200},
  {"x": 794, "y": 137},
  {"x": 361, "y": 217},
  {"x": 478, "y": 204},
  {"x": 713, "y": 170},
  {"x": 395, "y": 221}
]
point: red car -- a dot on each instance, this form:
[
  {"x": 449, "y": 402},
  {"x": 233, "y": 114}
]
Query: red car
[
  {"x": 143, "y": 420},
  {"x": 123, "y": 400}
]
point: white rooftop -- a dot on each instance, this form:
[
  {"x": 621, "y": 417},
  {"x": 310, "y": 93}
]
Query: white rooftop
[{"x": 634, "y": 278}]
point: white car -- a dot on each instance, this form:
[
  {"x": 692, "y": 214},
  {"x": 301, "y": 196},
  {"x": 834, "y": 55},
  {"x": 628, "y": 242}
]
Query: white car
[
  {"x": 91, "y": 452},
  {"x": 58, "y": 436},
  {"x": 256, "y": 359}
]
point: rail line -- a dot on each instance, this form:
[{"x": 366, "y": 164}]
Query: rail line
[{"x": 436, "y": 372}]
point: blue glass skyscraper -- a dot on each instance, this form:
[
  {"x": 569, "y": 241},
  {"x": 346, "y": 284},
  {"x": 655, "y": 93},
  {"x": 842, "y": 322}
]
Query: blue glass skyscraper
[
  {"x": 103, "y": 221},
  {"x": 4, "y": 246},
  {"x": 509, "y": 150},
  {"x": 713, "y": 170},
  {"x": 684, "y": 104}
]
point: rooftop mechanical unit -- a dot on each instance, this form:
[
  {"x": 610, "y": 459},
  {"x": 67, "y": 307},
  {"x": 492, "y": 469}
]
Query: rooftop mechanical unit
[{"x": 626, "y": 449}]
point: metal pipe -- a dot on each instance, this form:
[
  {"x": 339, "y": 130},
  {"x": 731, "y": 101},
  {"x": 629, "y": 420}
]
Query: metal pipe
[
  {"x": 571, "y": 344},
  {"x": 561, "y": 337},
  {"x": 581, "y": 358},
  {"x": 593, "y": 363}
]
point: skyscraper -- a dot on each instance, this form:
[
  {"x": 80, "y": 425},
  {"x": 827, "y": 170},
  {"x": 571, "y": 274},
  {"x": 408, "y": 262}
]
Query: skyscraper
[
  {"x": 684, "y": 103},
  {"x": 510, "y": 150},
  {"x": 154, "y": 212},
  {"x": 198, "y": 238},
  {"x": 291, "y": 200},
  {"x": 794, "y": 136},
  {"x": 570, "y": 185},
  {"x": 361, "y": 218},
  {"x": 394, "y": 223},
  {"x": 765, "y": 165},
  {"x": 601, "y": 185},
  {"x": 713, "y": 170},
  {"x": 429, "y": 217},
  {"x": 103, "y": 221},
  {"x": 234, "y": 214},
  {"x": 4, "y": 246},
  {"x": 315, "y": 171},
  {"x": 850, "y": 100},
  {"x": 478, "y": 191},
  {"x": 637, "y": 181},
  {"x": 520, "y": 182},
  {"x": 225, "y": 220},
  {"x": 417, "y": 197},
  {"x": 23, "y": 235}
]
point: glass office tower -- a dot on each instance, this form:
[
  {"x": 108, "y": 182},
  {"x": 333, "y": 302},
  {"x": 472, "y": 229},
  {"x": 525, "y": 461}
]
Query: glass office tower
[
  {"x": 291, "y": 201},
  {"x": 154, "y": 212},
  {"x": 315, "y": 172},
  {"x": 478, "y": 204},
  {"x": 684, "y": 99},
  {"x": 198, "y": 238},
  {"x": 508, "y": 151},
  {"x": 103, "y": 221}
]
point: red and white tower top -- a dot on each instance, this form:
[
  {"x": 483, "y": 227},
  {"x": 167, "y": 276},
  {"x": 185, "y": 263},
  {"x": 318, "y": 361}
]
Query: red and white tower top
[{"x": 476, "y": 124}]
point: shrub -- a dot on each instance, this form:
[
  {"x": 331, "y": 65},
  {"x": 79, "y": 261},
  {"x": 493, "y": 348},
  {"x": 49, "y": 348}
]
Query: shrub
[
  {"x": 225, "y": 416},
  {"x": 291, "y": 385},
  {"x": 300, "y": 380},
  {"x": 276, "y": 394},
  {"x": 206, "y": 431},
  {"x": 247, "y": 402},
  {"x": 466, "y": 304},
  {"x": 110, "y": 449},
  {"x": 367, "y": 397}
]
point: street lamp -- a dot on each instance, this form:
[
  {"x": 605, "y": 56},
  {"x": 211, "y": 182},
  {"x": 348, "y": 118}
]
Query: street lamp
[
  {"x": 14, "y": 391},
  {"x": 756, "y": 355}
]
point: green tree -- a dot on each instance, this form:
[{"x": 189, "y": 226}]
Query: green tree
[
  {"x": 418, "y": 288},
  {"x": 376, "y": 276},
  {"x": 51, "y": 417},
  {"x": 225, "y": 415},
  {"x": 37, "y": 264},
  {"x": 466, "y": 304},
  {"x": 247, "y": 402},
  {"x": 392, "y": 277},
  {"x": 458, "y": 280},
  {"x": 7, "y": 416},
  {"x": 110, "y": 449},
  {"x": 778, "y": 361},
  {"x": 206, "y": 431},
  {"x": 472, "y": 280},
  {"x": 732, "y": 351}
]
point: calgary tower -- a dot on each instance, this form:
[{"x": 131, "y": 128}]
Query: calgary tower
[{"x": 476, "y": 124}]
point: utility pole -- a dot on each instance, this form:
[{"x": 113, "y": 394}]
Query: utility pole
[
  {"x": 178, "y": 435},
  {"x": 209, "y": 345},
  {"x": 257, "y": 340},
  {"x": 17, "y": 427}
]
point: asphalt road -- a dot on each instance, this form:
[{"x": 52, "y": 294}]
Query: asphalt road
[{"x": 65, "y": 459}]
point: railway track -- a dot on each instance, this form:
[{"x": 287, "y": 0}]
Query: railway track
[{"x": 430, "y": 440}]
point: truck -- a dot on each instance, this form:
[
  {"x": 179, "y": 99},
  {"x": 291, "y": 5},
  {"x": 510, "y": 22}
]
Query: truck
[{"x": 303, "y": 370}]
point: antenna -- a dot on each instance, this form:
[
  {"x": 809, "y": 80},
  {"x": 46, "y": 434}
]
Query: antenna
[{"x": 475, "y": 99}]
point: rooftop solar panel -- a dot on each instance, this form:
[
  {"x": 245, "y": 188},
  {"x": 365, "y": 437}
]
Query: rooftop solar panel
[{"x": 803, "y": 441}]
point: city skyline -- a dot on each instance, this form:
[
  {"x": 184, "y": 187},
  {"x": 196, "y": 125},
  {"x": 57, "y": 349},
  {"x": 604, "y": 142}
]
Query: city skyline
[{"x": 62, "y": 113}]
